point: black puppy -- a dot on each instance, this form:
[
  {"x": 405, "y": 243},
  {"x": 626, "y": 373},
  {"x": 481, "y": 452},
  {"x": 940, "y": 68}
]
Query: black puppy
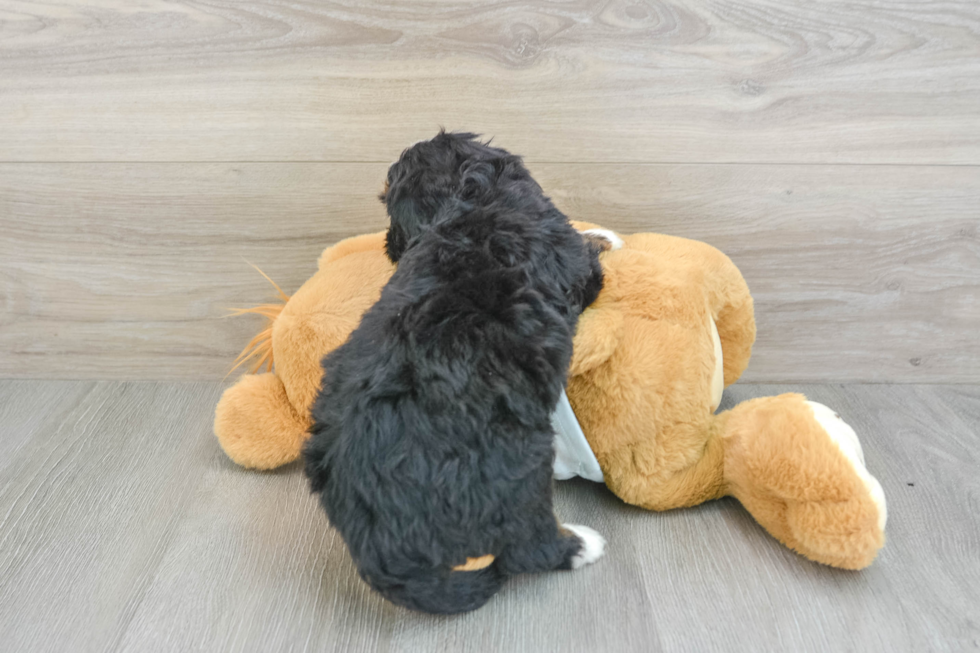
[{"x": 432, "y": 441}]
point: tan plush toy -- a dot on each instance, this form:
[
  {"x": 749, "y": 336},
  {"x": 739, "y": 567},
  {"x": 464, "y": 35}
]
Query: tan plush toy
[{"x": 671, "y": 328}]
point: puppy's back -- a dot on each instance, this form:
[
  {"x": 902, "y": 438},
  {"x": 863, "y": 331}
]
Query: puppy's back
[{"x": 432, "y": 438}]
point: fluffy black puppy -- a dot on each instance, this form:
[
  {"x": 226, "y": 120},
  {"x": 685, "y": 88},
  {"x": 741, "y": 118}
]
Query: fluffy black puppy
[{"x": 432, "y": 441}]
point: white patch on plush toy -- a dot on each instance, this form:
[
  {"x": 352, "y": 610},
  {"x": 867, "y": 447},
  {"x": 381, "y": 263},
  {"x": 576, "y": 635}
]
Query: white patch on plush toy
[
  {"x": 617, "y": 242},
  {"x": 718, "y": 378},
  {"x": 573, "y": 455},
  {"x": 593, "y": 545},
  {"x": 847, "y": 441}
]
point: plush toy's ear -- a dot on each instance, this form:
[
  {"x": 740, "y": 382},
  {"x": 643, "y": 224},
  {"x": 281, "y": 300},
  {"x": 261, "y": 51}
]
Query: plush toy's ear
[{"x": 599, "y": 332}]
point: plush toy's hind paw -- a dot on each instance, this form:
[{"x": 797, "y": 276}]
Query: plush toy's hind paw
[
  {"x": 798, "y": 468},
  {"x": 847, "y": 441},
  {"x": 846, "y": 533},
  {"x": 256, "y": 425}
]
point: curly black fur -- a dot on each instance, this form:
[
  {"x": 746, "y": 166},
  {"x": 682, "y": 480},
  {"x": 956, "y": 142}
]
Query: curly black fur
[{"x": 432, "y": 439}]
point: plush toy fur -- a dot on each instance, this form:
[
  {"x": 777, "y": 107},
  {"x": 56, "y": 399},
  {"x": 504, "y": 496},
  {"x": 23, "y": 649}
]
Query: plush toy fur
[{"x": 673, "y": 324}]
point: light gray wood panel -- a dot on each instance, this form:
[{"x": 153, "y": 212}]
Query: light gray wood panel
[
  {"x": 126, "y": 271},
  {"x": 125, "y": 528},
  {"x": 27, "y": 408},
  {"x": 659, "y": 81},
  {"x": 858, "y": 273},
  {"x": 89, "y": 504},
  {"x": 861, "y": 273}
]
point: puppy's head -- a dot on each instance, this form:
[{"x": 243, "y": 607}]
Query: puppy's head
[{"x": 443, "y": 177}]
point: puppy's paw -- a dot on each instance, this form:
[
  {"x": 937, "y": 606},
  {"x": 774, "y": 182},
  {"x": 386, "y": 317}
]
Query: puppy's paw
[
  {"x": 593, "y": 545},
  {"x": 605, "y": 239}
]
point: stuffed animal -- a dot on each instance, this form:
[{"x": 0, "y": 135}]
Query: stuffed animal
[{"x": 672, "y": 327}]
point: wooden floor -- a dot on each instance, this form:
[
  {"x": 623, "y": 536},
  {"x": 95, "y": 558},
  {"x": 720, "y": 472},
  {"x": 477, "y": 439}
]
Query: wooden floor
[{"x": 124, "y": 527}]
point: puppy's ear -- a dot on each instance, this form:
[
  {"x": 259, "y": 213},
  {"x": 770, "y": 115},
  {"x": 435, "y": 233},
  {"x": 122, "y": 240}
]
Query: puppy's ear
[
  {"x": 406, "y": 223},
  {"x": 587, "y": 287},
  {"x": 402, "y": 208}
]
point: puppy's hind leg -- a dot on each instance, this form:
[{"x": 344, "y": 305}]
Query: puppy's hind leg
[
  {"x": 567, "y": 547},
  {"x": 593, "y": 545}
]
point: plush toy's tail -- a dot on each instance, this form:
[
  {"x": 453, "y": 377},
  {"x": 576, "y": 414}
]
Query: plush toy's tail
[{"x": 259, "y": 349}]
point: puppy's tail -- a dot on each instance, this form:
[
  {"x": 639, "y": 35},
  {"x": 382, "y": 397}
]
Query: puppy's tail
[
  {"x": 259, "y": 349},
  {"x": 452, "y": 593}
]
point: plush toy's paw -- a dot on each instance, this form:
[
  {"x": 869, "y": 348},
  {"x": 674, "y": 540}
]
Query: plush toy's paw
[
  {"x": 848, "y": 531},
  {"x": 612, "y": 241},
  {"x": 798, "y": 468},
  {"x": 256, "y": 425},
  {"x": 593, "y": 545},
  {"x": 847, "y": 441}
]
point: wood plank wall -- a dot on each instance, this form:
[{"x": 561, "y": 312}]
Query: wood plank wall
[{"x": 148, "y": 149}]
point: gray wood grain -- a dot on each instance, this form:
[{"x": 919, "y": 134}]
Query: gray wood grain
[
  {"x": 123, "y": 527},
  {"x": 29, "y": 408},
  {"x": 89, "y": 504},
  {"x": 124, "y": 271},
  {"x": 859, "y": 81}
]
